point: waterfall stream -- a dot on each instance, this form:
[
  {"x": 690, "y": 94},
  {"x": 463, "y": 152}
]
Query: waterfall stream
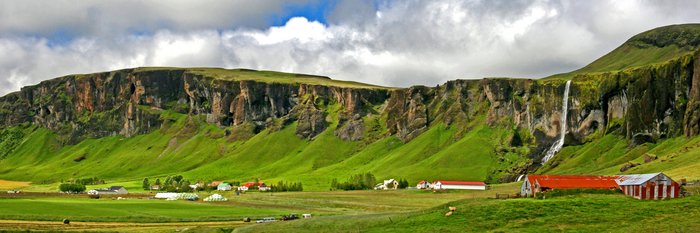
[{"x": 560, "y": 142}]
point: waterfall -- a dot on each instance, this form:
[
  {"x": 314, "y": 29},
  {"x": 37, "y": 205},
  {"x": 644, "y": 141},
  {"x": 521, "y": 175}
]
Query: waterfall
[{"x": 560, "y": 142}]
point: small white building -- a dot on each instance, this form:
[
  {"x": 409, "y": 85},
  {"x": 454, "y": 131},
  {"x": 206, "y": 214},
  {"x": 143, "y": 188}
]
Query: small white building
[
  {"x": 387, "y": 184},
  {"x": 223, "y": 187},
  {"x": 465, "y": 185},
  {"x": 424, "y": 184}
]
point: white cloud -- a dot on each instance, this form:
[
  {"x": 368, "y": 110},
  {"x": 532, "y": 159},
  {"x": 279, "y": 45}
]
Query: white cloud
[{"x": 400, "y": 43}]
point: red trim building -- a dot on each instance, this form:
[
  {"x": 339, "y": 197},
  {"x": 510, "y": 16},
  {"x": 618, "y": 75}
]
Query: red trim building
[
  {"x": 649, "y": 186},
  {"x": 641, "y": 186}
]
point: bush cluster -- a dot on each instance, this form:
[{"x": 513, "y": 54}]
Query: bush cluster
[
  {"x": 355, "y": 182},
  {"x": 282, "y": 186}
]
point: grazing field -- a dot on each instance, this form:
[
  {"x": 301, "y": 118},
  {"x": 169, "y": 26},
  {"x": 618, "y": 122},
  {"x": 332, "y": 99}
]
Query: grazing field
[
  {"x": 132, "y": 210},
  {"x": 156, "y": 215},
  {"x": 578, "y": 213}
]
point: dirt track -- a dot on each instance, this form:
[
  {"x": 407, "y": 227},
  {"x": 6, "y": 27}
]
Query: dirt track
[{"x": 14, "y": 225}]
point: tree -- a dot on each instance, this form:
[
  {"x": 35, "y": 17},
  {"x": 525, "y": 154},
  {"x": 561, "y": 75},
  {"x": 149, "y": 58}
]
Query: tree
[
  {"x": 146, "y": 185},
  {"x": 157, "y": 181},
  {"x": 255, "y": 185},
  {"x": 71, "y": 188}
]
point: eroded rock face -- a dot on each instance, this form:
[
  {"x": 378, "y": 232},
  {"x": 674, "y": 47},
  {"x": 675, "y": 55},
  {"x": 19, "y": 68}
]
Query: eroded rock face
[
  {"x": 129, "y": 102},
  {"x": 653, "y": 101}
]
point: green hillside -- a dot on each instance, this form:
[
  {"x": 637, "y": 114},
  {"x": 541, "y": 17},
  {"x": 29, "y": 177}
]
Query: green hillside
[
  {"x": 654, "y": 46},
  {"x": 206, "y": 154}
]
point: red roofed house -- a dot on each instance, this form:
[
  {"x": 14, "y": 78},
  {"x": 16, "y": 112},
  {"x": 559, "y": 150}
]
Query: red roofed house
[
  {"x": 248, "y": 185},
  {"x": 423, "y": 184},
  {"x": 534, "y": 184},
  {"x": 469, "y": 185}
]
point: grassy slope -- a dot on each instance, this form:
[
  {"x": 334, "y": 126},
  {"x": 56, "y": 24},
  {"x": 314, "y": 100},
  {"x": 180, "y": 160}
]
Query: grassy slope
[
  {"x": 651, "y": 47},
  {"x": 580, "y": 213},
  {"x": 677, "y": 157},
  {"x": 271, "y": 156}
]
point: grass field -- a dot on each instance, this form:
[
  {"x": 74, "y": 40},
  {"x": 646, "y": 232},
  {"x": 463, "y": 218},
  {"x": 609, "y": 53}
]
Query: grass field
[
  {"x": 579, "y": 213},
  {"x": 148, "y": 215},
  {"x": 9, "y": 185}
]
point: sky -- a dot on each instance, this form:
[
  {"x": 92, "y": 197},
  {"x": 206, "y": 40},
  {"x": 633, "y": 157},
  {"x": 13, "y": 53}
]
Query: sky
[{"x": 386, "y": 42}]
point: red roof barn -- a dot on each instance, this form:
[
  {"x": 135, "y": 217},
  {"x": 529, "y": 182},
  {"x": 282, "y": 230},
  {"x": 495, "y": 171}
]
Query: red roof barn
[{"x": 539, "y": 183}]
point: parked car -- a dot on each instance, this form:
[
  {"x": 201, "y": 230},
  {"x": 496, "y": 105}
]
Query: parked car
[
  {"x": 264, "y": 220},
  {"x": 290, "y": 217}
]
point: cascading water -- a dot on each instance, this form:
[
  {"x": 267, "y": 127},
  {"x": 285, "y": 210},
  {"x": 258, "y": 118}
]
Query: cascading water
[{"x": 560, "y": 142}]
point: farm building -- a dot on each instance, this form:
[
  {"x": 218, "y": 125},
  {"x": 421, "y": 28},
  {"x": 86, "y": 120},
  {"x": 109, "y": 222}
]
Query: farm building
[
  {"x": 215, "y": 183},
  {"x": 215, "y": 197},
  {"x": 110, "y": 190},
  {"x": 387, "y": 184},
  {"x": 534, "y": 184},
  {"x": 223, "y": 187},
  {"x": 248, "y": 185},
  {"x": 468, "y": 185},
  {"x": 424, "y": 184},
  {"x": 177, "y": 196},
  {"x": 648, "y": 186},
  {"x": 165, "y": 195}
]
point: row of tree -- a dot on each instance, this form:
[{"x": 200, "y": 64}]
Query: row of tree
[
  {"x": 282, "y": 186},
  {"x": 171, "y": 184},
  {"x": 85, "y": 181},
  {"x": 403, "y": 183},
  {"x": 355, "y": 182},
  {"x": 71, "y": 187}
]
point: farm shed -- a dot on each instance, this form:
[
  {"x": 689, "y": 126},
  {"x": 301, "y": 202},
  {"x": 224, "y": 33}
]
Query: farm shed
[
  {"x": 165, "y": 195},
  {"x": 215, "y": 197},
  {"x": 223, "y": 187},
  {"x": 534, "y": 184},
  {"x": 110, "y": 190},
  {"x": 467, "y": 185},
  {"x": 649, "y": 186},
  {"x": 423, "y": 184}
]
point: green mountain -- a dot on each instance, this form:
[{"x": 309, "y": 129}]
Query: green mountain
[{"x": 636, "y": 108}]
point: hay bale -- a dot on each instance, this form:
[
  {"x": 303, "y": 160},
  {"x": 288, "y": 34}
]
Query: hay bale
[{"x": 448, "y": 214}]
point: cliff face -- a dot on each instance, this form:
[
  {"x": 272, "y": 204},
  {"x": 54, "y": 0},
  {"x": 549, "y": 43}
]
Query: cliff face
[{"x": 129, "y": 102}]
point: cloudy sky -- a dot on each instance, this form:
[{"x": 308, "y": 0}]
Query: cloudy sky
[{"x": 385, "y": 42}]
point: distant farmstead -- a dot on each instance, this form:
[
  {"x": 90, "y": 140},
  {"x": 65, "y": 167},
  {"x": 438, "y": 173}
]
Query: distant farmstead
[
  {"x": 249, "y": 185},
  {"x": 466, "y": 185}
]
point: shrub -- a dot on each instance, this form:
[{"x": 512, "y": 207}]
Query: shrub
[{"x": 72, "y": 188}]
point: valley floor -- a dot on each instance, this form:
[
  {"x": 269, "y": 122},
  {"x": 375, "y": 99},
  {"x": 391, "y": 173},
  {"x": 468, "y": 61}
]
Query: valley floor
[{"x": 356, "y": 211}]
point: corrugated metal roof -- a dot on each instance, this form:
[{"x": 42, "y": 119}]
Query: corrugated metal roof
[
  {"x": 635, "y": 179},
  {"x": 572, "y": 182}
]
